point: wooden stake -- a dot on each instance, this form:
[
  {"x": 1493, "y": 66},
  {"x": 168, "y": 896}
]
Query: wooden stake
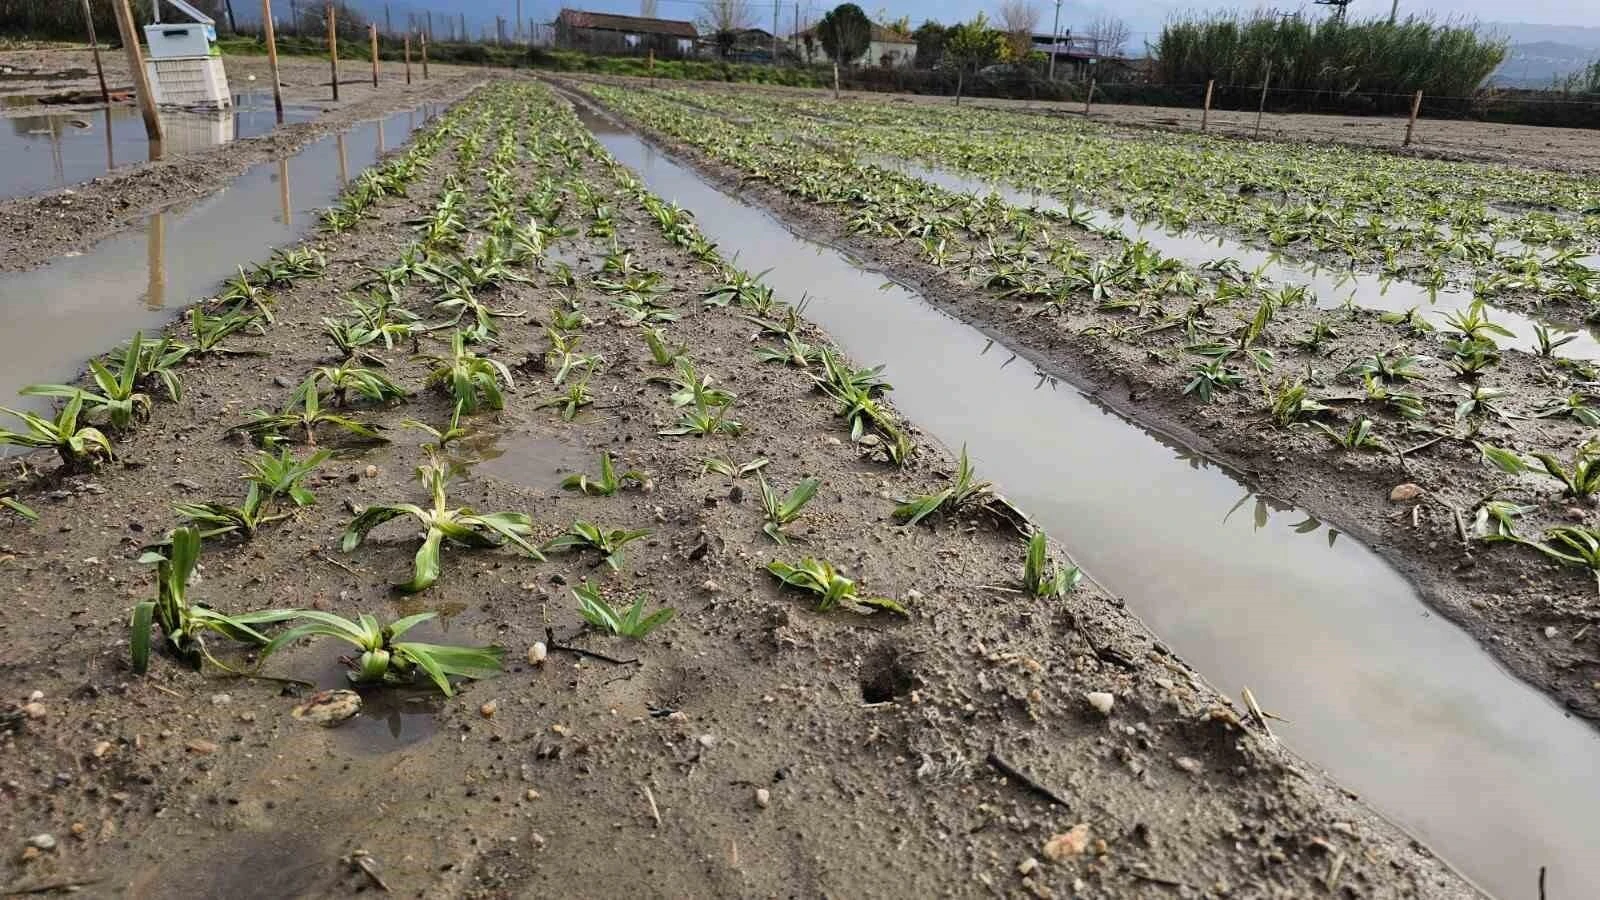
[
  {"x": 408, "y": 57},
  {"x": 333, "y": 47},
  {"x": 1205, "y": 114},
  {"x": 651, "y": 65},
  {"x": 372, "y": 36},
  {"x": 271, "y": 34},
  {"x": 88, "y": 18},
  {"x": 424, "y": 56},
  {"x": 1262, "y": 109},
  {"x": 1411, "y": 124},
  {"x": 836, "y": 83},
  {"x": 141, "y": 78},
  {"x": 1088, "y": 99}
]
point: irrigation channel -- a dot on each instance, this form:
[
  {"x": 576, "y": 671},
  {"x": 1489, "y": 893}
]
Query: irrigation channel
[
  {"x": 54, "y": 148},
  {"x": 1332, "y": 287},
  {"x": 1394, "y": 702},
  {"x": 54, "y": 316}
]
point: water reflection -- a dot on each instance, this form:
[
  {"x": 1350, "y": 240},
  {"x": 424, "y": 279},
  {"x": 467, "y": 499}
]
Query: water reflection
[{"x": 155, "y": 294}]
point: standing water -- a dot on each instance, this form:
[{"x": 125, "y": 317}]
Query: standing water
[
  {"x": 1396, "y": 703},
  {"x": 46, "y": 148},
  {"x": 54, "y": 317}
]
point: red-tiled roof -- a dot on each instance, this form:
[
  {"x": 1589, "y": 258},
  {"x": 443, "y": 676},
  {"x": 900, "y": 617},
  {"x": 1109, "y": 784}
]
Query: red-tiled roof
[{"x": 577, "y": 18}]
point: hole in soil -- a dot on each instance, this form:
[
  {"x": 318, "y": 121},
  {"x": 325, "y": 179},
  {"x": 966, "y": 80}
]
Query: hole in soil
[{"x": 885, "y": 677}]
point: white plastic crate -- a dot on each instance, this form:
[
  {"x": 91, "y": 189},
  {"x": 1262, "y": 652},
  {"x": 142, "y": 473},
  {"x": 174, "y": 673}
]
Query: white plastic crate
[{"x": 190, "y": 82}]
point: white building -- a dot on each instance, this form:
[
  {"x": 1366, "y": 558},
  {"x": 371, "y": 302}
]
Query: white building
[{"x": 889, "y": 48}]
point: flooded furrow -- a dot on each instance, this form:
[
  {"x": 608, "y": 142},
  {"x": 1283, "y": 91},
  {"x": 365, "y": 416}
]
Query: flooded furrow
[
  {"x": 48, "y": 148},
  {"x": 55, "y": 317},
  {"x": 1333, "y": 287},
  {"x": 1396, "y": 703}
]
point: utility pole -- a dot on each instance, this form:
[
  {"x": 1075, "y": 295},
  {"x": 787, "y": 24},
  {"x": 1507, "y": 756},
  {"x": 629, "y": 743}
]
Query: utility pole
[
  {"x": 388, "y": 24},
  {"x": 233, "y": 26},
  {"x": 775, "y": 5},
  {"x": 1055, "y": 40},
  {"x": 88, "y": 18},
  {"x": 294, "y": 16},
  {"x": 141, "y": 78},
  {"x": 271, "y": 36},
  {"x": 518, "y": 35}
]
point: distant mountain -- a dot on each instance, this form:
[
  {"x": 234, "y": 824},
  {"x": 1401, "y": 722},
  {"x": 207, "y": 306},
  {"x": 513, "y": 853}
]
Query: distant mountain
[{"x": 1540, "y": 63}]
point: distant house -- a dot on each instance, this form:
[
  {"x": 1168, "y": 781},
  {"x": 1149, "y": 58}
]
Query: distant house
[
  {"x": 607, "y": 33},
  {"x": 1080, "y": 56},
  {"x": 889, "y": 47}
]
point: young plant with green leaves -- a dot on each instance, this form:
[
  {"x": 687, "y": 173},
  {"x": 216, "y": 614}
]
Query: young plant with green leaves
[
  {"x": 472, "y": 380},
  {"x": 608, "y": 542},
  {"x": 783, "y": 509},
  {"x": 831, "y": 587},
  {"x": 441, "y": 523},
  {"x": 704, "y": 420},
  {"x": 1043, "y": 578},
  {"x": 608, "y": 482},
  {"x": 304, "y": 416},
  {"x": 80, "y": 447},
  {"x": 723, "y": 466},
  {"x": 343, "y": 381},
  {"x": 183, "y": 624},
  {"x": 1573, "y": 545},
  {"x": 1357, "y": 436},
  {"x": 571, "y": 402},
  {"x": 662, "y": 353},
  {"x": 120, "y": 401},
  {"x": 629, "y": 622},
  {"x": 442, "y": 437},
  {"x": 385, "y": 659},
  {"x": 964, "y": 491}
]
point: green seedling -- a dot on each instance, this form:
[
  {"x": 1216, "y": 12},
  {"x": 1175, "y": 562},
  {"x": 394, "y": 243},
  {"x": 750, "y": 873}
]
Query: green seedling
[
  {"x": 629, "y": 622},
  {"x": 1548, "y": 342},
  {"x": 575, "y": 399},
  {"x": 342, "y": 381},
  {"x": 1505, "y": 460},
  {"x": 1293, "y": 403},
  {"x": 793, "y": 352},
  {"x": 1041, "y": 578},
  {"x": 1573, "y": 545},
  {"x": 1387, "y": 368},
  {"x": 1212, "y": 378},
  {"x": 1574, "y": 406},
  {"x": 79, "y": 447},
  {"x": 442, "y": 438},
  {"x": 220, "y": 519},
  {"x": 19, "y": 508},
  {"x": 119, "y": 399},
  {"x": 965, "y": 490},
  {"x": 470, "y": 379},
  {"x": 1495, "y": 520},
  {"x": 1358, "y": 436},
  {"x": 386, "y": 660},
  {"x": 586, "y": 535},
  {"x": 247, "y": 297},
  {"x": 460, "y": 526},
  {"x": 705, "y": 420},
  {"x": 184, "y": 624},
  {"x": 270, "y": 429},
  {"x": 781, "y": 510},
  {"x": 1582, "y": 477},
  {"x": 607, "y": 484},
  {"x": 832, "y": 588},
  {"x": 661, "y": 353}
]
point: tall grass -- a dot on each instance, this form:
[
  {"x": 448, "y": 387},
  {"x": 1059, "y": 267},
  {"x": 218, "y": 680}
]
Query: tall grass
[{"x": 1328, "y": 56}]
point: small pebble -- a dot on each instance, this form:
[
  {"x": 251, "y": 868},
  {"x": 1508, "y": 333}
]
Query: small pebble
[
  {"x": 537, "y": 653},
  {"x": 1101, "y": 701},
  {"x": 1551, "y": 631},
  {"x": 488, "y": 709},
  {"x": 44, "y": 842},
  {"x": 1027, "y": 867},
  {"x": 1188, "y": 764},
  {"x": 372, "y": 471},
  {"x": 531, "y": 794},
  {"x": 33, "y": 710},
  {"x": 710, "y": 586},
  {"x": 763, "y": 798},
  {"x": 221, "y": 699},
  {"x": 202, "y": 747},
  {"x": 1067, "y": 844},
  {"x": 1404, "y": 492}
]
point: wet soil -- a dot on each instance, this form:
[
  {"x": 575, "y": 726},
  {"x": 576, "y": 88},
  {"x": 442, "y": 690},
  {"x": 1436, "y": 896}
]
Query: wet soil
[
  {"x": 35, "y": 229},
  {"x": 879, "y": 743},
  {"x": 1531, "y": 614}
]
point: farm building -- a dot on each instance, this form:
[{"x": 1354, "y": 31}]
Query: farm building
[
  {"x": 607, "y": 33},
  {"x": 889, "y": 48}
]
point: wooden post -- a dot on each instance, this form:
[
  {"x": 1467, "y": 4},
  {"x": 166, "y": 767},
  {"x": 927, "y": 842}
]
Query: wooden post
[
  {"x": 1088, "y": 99},
  {"x": 270, "y": 32},
  {"x": 1205, "y": 114},
  {"x": 372, "y": 36},
  {"x": 424, "y": 56},
  {"x": 1416, "y": 107},
  {"x": 836, "y": 82},
  {"x": 650, "y": 66},
  {"x": 141, "y": 78},
  {"x": 1262, "y": 108},
  {"x": 408, "y": 57},
  {"x": 88, "y": 18},
  {"x": 333, "y": 47}
]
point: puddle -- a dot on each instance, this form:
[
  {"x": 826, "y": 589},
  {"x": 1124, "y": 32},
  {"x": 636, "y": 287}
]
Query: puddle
[
  {"x": 533, "y": 460},
  {"x": 60, "y": 148},
  {"x": 1396, "y": 703},
  {"x": 1332, "y": 287},
  {"x": 54, "y": 317}
]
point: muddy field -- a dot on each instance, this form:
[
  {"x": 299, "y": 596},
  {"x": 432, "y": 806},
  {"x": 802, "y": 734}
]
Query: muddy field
[
  {"x": 988, "y": 741},
  {"x": 38, "y": 228}
]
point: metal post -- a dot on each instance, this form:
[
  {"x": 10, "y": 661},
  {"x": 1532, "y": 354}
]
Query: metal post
[
  {"x": 408, "y": 57},
  {"x": 333, "y": 48},
  {"x": 1416, "y": 107},
  {"x": 141, "y": 78},
  {"x": 372, "y": 35},
  {"x": 1205, "y": 114},
  {"x": 1262, "y": 109},
  {"x": 88, "y": 18},
  {"x": 272, "y": 56},
  {"x": 1055, "y": 41}
]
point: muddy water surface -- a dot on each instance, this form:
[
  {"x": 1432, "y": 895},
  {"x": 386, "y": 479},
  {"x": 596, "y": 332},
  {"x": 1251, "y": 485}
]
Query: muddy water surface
[
  {"x": 53, "y": 318},
  {"x": 46, "y": 148},
  {"x": 1396, "y": 703}
]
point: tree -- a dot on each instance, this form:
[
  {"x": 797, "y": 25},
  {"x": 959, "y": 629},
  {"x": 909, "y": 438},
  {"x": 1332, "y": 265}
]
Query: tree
[
  {"x": 1110, "y": 35},
  {"x": 930, "y": 37},
  {"x": 1019, "y": 19},
  {"x": 845, "y": 33},
  {"x": 972, "y": 44},
  {"x": 723, "y": 20}
]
